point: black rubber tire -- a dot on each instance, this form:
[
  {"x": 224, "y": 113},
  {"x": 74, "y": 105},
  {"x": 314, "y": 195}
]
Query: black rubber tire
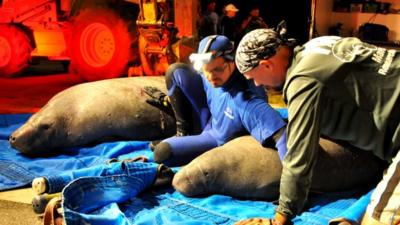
[
  {"x": 15, "y": 50},
  {"x": 115, "y": 37}
]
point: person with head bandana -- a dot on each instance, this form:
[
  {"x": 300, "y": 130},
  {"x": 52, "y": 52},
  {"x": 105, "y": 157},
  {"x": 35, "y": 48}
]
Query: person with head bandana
[
  {"x": 215, "y": 95},
  {"x": 339, "y": 88}
]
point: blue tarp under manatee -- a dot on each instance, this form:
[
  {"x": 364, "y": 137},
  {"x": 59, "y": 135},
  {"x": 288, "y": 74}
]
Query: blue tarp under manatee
[{"x": 147, "y": 205}]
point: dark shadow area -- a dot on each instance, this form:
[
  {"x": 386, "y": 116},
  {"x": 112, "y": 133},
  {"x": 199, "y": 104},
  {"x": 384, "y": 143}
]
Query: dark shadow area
[{"x": 296, "y": 13}]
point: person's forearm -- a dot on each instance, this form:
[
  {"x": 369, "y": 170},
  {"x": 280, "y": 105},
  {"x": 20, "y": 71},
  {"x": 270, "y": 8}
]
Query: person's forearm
[
  {"x": 296, "y": 175},
  {"x": 303, "y": 129}
]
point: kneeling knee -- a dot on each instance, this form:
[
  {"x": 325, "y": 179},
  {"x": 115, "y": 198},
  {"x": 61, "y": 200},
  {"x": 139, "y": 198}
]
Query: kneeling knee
[{"x": 162, "y": 152}]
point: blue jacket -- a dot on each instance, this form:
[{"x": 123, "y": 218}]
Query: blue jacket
[{"x": 239, "y": 108}]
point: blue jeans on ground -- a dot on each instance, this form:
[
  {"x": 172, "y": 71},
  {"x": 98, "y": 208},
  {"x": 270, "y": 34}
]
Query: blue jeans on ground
[
  {"x": 58, "y": 182},
  {"x": 94, "y": 199}
]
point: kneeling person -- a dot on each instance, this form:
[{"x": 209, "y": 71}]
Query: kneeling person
[{"x": 224, "y": 103}]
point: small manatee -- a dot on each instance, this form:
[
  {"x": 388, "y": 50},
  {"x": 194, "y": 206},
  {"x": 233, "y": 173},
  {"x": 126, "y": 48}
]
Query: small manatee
[
  {"x": 239, "y": 168},
  {"x": 243, "y": 168}
]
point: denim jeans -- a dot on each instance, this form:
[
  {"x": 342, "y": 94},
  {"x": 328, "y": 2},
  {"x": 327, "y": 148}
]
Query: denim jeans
[
  {"x": 58, "y": 182},
  {"x": 84, "y": 198}
]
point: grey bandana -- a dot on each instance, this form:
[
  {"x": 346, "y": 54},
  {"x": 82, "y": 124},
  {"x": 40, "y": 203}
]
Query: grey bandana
[{"x": 260, "y": 44}]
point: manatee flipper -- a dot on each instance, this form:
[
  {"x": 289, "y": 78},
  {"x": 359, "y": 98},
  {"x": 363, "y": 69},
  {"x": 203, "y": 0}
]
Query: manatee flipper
[{"x": 164, "y": 175}]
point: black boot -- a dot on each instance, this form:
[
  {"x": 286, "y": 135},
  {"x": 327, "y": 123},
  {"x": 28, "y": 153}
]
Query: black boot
[
  {"x": 182, "y": 129},
  {"x": 182, "y": 111}
]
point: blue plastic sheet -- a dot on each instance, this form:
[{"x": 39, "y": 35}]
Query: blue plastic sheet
[
  {"x": 18, "y": 170},
  {"x": 145, "y": 205},
  {"x": 166, "y": 206}
]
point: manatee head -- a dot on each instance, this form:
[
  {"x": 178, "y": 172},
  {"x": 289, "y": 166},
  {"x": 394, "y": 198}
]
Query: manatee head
[
  {"x": 198, "y": 177},
  {"x": 39, "y": 135},
  {"x": 189, "y": 181}
]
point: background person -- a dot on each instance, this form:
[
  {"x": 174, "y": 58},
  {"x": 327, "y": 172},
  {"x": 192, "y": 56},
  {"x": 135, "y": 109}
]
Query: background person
[
  {"x": 209, "y": 21},
  {"x": 253, "y": 21},
  {"x": 341, "y": 88},
  {"x": 228, "y": 25}
]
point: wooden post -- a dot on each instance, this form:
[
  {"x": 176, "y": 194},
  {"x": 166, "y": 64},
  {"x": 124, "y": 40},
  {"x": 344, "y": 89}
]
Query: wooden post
[{"x": 185, "y": 17}]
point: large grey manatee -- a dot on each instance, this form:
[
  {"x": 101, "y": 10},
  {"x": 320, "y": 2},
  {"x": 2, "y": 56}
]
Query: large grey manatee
[
  {"x": 243, "y": 168},
  {"x": 113, "y": 109}
]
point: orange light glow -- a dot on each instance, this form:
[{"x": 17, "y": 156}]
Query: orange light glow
[
  {"x": 5, "y": 52},
  {"x": 97, "y": 44},
  {"x": 49, "y": 43}
]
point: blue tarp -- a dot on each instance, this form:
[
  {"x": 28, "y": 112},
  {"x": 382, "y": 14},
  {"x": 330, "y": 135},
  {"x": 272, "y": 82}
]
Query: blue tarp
[
  {"x": 166, "y": 206},
  {"x": 163, "y": 205},
  {"x": 17, "y": 170}
]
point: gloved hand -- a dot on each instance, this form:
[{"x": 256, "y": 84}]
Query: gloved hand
[
  {"x": 155, "y": 94},
  {"x": 158, "y": 99}
]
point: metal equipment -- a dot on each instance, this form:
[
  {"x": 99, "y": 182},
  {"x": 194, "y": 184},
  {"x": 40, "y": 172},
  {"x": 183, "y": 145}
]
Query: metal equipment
[{"x": 94, "y": 39}]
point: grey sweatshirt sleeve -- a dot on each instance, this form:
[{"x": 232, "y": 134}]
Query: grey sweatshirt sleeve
[{"x": 304, "y": 105}]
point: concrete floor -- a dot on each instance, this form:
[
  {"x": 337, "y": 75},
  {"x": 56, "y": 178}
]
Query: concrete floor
[{"x": 16, "y": 208}]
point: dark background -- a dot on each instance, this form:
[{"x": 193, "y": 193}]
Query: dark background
[{"x": 297, "y": 13}]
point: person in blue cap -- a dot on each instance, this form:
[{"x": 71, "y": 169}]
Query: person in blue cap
[
  {"x": 339, "y": 88},
  {"x": 215, "y": 98}
]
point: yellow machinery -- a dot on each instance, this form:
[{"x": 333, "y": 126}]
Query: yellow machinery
[{"x": 96, "y": 39}]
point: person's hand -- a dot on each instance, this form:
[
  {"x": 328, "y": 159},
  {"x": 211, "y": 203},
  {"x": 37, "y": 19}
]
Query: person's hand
[
  {"x": 158, "y": 99},
  {"x": 155, "y": 94},
  {"x": 258, "y": 221},
  {"x": 254, "y": 221},
  {"x": 278, "y": 220}
]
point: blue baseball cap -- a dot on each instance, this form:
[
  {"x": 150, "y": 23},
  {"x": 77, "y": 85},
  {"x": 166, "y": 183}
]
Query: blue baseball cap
[{"x": 210, "y": 48}]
